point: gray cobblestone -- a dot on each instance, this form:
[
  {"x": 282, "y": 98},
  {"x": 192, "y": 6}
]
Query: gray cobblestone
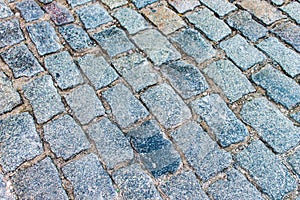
[
  {"x": 276, "y": 129},
  {"x": 30, "y": 10},
  {"x": 183, "y": 6},
  {"x": 114, "y": 3},
  {"x": 166, "y": 105},
  {"x": 44, "y": 1},
  {"x": 10, "y": 33},
  {"x": 5, "y": 11},
  {"x": 19, "y": 141},
  {"x": 74, "y": 3},
  {"x": 296, "y": 116},
  {"x": 278, "y": 2},
  {"x": 292, "y": 9},
  {"x": 222, "y": 121},
  {"x": 59, "y": 14},
  {"x": 112, "y": 145},
  {"x": 143, "y": 3},
  {"x": 294, "y": 161},
  {"x": 266, "y": 170},
  {"x": 125, "y": 107},
  {"x": 44, "y": 98},
  {"x": 221, "y": 7}
]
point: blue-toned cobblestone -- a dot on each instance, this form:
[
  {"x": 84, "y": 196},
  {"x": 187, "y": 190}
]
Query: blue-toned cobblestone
[
  {"x": 296, "y": 116},
  {"x": 74, "y": 3},
  {"x": 59, "y": 13},
  {"x": 292, "y": 9},
  {"x": 142, "y": 3},
  {"x": 294, "y": 161},
  {"x": 10, "y": 33},
  {"x": 30, "y": 10},
  {"x": 5, "y": 11},
  {"x": 183, "y": 6},
  {"x": 221, "y": 7},
  {"x": 114, "y": 3}
]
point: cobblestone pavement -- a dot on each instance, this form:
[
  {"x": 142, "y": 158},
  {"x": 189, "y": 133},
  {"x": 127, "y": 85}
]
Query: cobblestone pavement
[{"x": 149, "y": 99}]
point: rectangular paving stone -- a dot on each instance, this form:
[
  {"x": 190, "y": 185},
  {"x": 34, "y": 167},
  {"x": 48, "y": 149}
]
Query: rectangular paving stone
[
  {"x": 44, "y": 37},
  {"x": 194, "y": 45},
  {"x": 279, "y": 87},
  {"x": 75, "y": 3},
  {"x": 59, "y": 14},
  {"x": 221, "y": 7},
  {"x": 10, "y": 33},
  {"x": 113, "y": 147},
  {"x": 135, "y": 184},
  {"x": 221, "y": 120},
  {"x": 30, "y": 10},
  {"x": 113, "y": 40},
  {"x": 274, "y": 128},
  {"x": 230, "y": 79},
  {"x": 267, "y": 170},
  {"x": 234, "y": 187},
  {"x": 241, "y": 52},
  {"x": 183, "y": 6},
  {"x": 125, "y": 107},
  {"x": 19, "y": 141},
  {"x": 202, "y": 153},
  {"x": 166, "y": 105},
  {"x": 137, "y": 71},
  {"x": 89, "y": 179},
  {"x": 62, "y": 67},
  {"x": 214, "y": 28},
  {"x": 41, "y": 181},
  {"x": 85, "y": 103},
  {"x": 242, "y": 21},
  {"x": 292, "y": 9},
  {"x": 294, "y": 161},
  {"x": 159, "y": 50},
  {"x": 288, "y": 59},
  {"x": 66, "y": 138},
  {"x": 5, "y": 11},
  {"x": 44, "y": 98},
  {"x": 131, "y": 20},
  {"x": 114, "y": 3},
  {"x": 185, "y": 78},
  {"x": 98, "y": 71},
  {"x": 142, "y": 3}
]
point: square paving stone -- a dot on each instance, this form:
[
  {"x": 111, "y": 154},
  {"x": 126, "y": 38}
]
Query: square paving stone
[
  {"x": 58, "y": 13},
  {"x": 230, "y": 79},
  {"x": 137, "y": 71},
  {"x": 194, "y": 45},
  {"x": 142, "y": 3},
  {"x": 21, "y": 61},
  {"x": 30, "y": 10},
  {"x": 114, "y": 3},
  {"x": 19, "y": 141},
  {"x": 43, "y": 97},
  {"x": 74, "y": 3},
  {"x": 98, "y": 71},
  {"x": 183, "y": 6},
  {"x": 166, "y": 105},
  {"x": 269, "y": 173},
  {"x": 274, "y": 128},
  {"x": 41, "y": 181},
  {"x": 89, "y": 179},
  {"x": 93, "y": 16},
  {"x": 113, "y": 147},
  {"x": 113, "y": 40},
  {"x": 185, "y": 78},
  {"x": 126, "y": 108},
  {"x": 5, "y": 11},
  {"x": 85, "y": 104},
  {"x": 241, "y": 52},
  {"x": 292, "y": 9},
  {"x": 44, "y": 37},
  {"x": 222, "y": 121},
  {"x": 159, "y": 50},
  {"x": 221, "y": 7},
  {"x": 10, "y": 33},
  {"x": 66, "y": 138},
  {"x": 64, "y": 70},
  {"x": 9, "y": 97},
  {"x": 294, "y": 161},
  {"x": 134, "y": 183}
]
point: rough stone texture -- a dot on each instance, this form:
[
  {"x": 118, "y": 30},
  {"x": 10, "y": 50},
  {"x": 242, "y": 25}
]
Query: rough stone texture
[
  {"x": 74, "y": 3},
  {"x": 89, "y": 179},
  {"x": 85, "y": 103},
  {"x": 214, "y": 28},
  {"x": 114, "y": 3},
  {"x": 135, "y": 184},
  {"x": 66, "y": 138},
  {"x": 44, "y": 37},
  {"x": 235, "y": 187},
  {"x": 221, "y": 7},
  {"x": 19, "y": 141},
  {"x": 9, "y": 97},
  {"x": 221, "y": 120},
  {"x": 292, "y": 9},
  {"x": 131, "y": 20},
  {"x": 243, "y": 22},
  {"x": 296, "y": 116},
  {"x": 166, "y": 105},
  {"x": 183, "y": 6},
  {"x": 294, "y": 161},
  {"x": 112, "y": 145},
  {"x": 279, "y": 87},
  {"x": 194, "y": 45},
  {"x": 230, "y": 79},
  {"x": 58, "y": 13},
  {"x": 21, "y": 61},
  {"x": 44, "y": 98},
  {"x": 266, "y": 170},
  {"x": 274, "y": 128},
  {"x": 241, "y": 52},
  {"x": 137, "y": 71},
  {"x": 30, "y": 10},
  {"x": 98, "y": 71},
  {"x": 185, "y": 78},
  {"x": 288, "y": 59},
  {"x": 126, "y": 108},
  {"x": 142, "y": 3},
  {"x": 157, "y": 153},
  {"x": 159, "y": 50},
  {"x": 5, "y": 11},
  {"x": 10, "y": 33},
  {"x": 41, "y": 181},
  {"x": 93, "y": 16}
]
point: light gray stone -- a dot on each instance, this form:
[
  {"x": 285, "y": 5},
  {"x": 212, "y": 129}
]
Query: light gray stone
[
  {"x": 10, "y": 33},
  {"x": 114, "y": 3},
  {"x": 294, "y": 161},
  {"x": 5, "y": 11},
  {"x": 221, "y": 7},
  {"x": 292, "y": 9}
]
